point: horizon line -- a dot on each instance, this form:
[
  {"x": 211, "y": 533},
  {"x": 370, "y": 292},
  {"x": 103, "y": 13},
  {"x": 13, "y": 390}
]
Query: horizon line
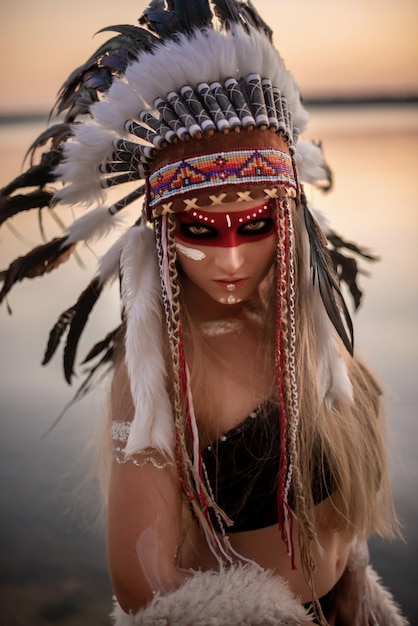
[{"x": 7, "y": 117}]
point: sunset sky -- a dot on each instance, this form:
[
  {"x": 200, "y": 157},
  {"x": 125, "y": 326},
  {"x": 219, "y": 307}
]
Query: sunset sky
[{"x": 332, "y": 46}]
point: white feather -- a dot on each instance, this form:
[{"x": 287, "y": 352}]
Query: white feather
[
  {"x": 333, "y": 380},
  {"x": 94, "y": 225},
  {"x": 152, "y": 425},
  {"x": 110, "y": 261}
]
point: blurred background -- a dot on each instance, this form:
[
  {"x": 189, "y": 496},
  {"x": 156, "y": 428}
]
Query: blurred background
[{"x": 357, "y": 65}]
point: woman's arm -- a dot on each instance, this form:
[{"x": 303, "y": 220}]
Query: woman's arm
[
  {"x": 144, "y": 519},
  {"x": 144, "y": 516}
]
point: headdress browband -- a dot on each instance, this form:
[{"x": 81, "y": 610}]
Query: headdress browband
[{"x": 235, "y": 168}]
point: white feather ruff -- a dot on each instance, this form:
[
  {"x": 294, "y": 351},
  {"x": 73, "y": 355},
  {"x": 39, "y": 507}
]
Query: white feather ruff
[
  {"x": 90, "y": 146},
  {"x": 204, "y": 57},
  {"x": 152, "y": 426},
  {"x": 256, "y": 54},
  {"x": 310, "y": 162},
  {"x": 209, "y": 56},
  {"x": 122, "y": 104}
]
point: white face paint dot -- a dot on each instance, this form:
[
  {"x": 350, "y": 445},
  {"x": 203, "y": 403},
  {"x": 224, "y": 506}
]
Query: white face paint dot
[
  {"x": 240, "y": 219},
  {"x": 212, "y": 221}
]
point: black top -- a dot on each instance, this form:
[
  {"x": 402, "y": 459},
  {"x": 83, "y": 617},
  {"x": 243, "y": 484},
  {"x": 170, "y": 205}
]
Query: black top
[{"x": 243, "y": 469}]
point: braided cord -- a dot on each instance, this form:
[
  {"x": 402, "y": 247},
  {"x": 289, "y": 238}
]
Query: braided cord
[
  {"x": 306, "y": 528},
  {"x": 189, "y": 467}
]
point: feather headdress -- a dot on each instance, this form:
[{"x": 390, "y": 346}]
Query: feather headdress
[{"x": 196, "y": 87}]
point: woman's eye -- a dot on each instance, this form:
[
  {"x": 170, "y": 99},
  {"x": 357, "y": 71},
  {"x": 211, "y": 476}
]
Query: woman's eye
[
  {"x": 257, "y": 227},
  {"x": 197, "y": 231}
]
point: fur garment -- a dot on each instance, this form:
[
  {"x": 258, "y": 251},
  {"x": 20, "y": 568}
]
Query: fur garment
[{"x": 245, "y": 595}]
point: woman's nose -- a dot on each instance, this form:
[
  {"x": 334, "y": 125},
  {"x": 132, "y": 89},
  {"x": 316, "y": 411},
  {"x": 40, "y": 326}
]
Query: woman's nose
[{"x": 229, "y": 260}]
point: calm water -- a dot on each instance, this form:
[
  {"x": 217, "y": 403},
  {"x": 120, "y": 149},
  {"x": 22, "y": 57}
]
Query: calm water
[{"x": 52, "y": 561}]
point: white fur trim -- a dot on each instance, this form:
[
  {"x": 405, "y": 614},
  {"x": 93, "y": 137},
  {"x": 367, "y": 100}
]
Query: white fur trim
[
  {"x": 245, "y": 595},
  {"x": 386, "y": 610},
  {"x": 152, "y": 426},
  {"x": 241, "y": 595},
  {"x": 311, "y": 164}
]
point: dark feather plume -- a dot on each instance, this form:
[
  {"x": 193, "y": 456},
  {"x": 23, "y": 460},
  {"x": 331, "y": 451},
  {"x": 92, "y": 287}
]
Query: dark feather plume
[
  {"x": 74, "y": 320},
  {"x": 57, "y": 134},
  {"x": 104, "y": 345},
  {"x": 96, "y": 372},
  {"x": 95, "y": 76},
  {"x": 243, "y": 13},
  {"x": 323, "y": 273},
  {"x": 346, "y": 267},
  {"x": 39, "y": 261},
  {"x": 37, "y": 175},
  {"x": 12, "y": 205}
]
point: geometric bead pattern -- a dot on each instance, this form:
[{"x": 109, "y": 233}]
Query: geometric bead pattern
[{"x": 208, "y": 171}]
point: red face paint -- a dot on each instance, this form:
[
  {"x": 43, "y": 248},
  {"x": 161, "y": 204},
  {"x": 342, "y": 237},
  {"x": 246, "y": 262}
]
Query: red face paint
[{"x": 226, "y": 229}]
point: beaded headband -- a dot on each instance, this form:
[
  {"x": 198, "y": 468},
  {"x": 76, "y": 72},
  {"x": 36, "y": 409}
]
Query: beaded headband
[{"x": 234, "y": 175}]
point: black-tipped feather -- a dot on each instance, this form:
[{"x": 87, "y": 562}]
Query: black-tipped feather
[
  {"x": 323, "y": 273},
  {"x": 37, "y": 175},
  {"x": 58, "y": 133},
  {"x": 74, "y": 320},
  {"x": 17, "y": 204},
  {"x": 37, "y": 262}
]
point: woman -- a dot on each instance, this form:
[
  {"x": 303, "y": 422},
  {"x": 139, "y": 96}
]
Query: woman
[{"x": 248, "y": 463}]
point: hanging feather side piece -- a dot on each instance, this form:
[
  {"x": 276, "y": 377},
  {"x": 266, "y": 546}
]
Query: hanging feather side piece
[
  {"x": 323, "y": 274},
  {"x": 152, "y": 426}
]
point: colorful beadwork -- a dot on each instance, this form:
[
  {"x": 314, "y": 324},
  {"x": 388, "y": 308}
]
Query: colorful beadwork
[{"x": 207, "y": 171}]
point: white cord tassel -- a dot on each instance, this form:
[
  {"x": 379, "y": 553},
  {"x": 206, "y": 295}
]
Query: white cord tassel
[{"x": 152, "y": 426}]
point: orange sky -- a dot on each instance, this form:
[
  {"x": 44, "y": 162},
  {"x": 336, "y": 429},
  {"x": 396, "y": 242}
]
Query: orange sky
[{"x": 332, "y": 46}]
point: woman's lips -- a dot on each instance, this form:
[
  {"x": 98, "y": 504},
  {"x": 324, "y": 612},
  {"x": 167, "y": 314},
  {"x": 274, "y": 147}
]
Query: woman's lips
[{"x": 231, "y": 284}]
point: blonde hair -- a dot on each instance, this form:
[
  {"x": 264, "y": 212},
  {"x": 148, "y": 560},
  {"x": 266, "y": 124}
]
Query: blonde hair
[
  {"x": 328, "y": 435},
  {"x": 334, "y": 434}
]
